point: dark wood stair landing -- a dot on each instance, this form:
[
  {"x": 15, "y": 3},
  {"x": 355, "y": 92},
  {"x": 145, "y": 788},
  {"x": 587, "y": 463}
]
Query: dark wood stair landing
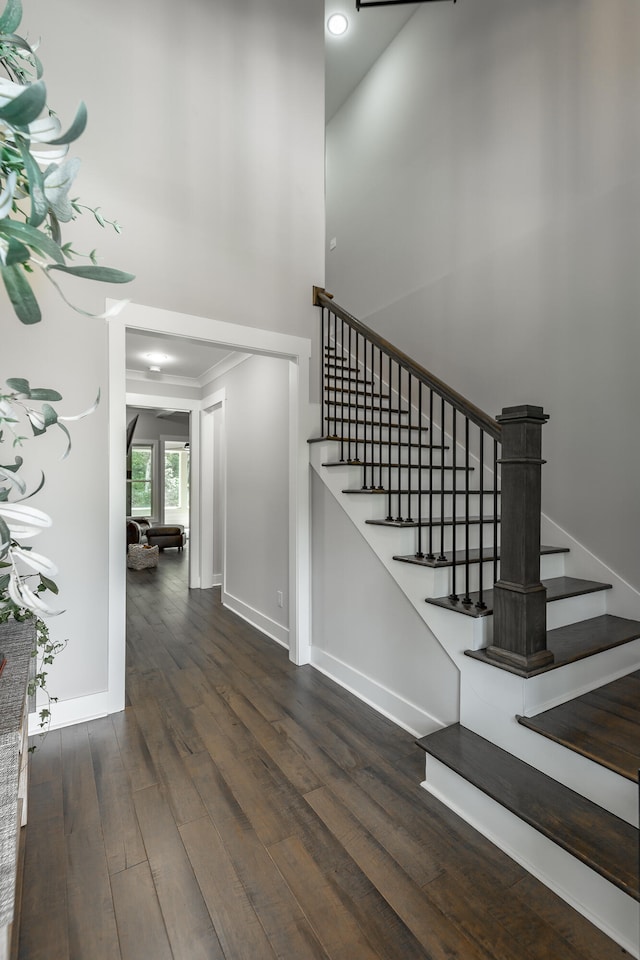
[
  {"x": 602, "y": 725},
  {"x": 596, "y": 837}
]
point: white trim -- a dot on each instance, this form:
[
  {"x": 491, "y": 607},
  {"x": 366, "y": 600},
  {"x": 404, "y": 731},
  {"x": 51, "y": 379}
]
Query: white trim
[
  {"x": 297, "y": 350},
  {"x": 602, "y": 903},
  {"x": 405, "y": 714},
  {"x": 215, "y": 504},
  {"x": 64, "y": 713},
  {"x": 259, "y": 620}
]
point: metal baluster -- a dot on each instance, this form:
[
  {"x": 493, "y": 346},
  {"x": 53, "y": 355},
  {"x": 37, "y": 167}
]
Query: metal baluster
[
  {"x": 481, "y": 605},
  {"x": 342, "y": 385},
  {"x": 495, "y": 511},
  {"x": 431, "y": 555},
  {"x": 379, "y": 458},
  {"x": 357, "y": 365},
  {"x": 350, "y": 401},
  {"x": 333, "y": 424},
  {"x": 467, "y": 526},
  {"x": 389, "y": 509},
  {"x": 453, "y": 596},
  {"x": 443, "y": 555},
  {"x": 323, "y": 379},
  {"x": 419, "y": 552},
  {"x": 399, "y": 435},
  {"x": 410, "y": 449}
]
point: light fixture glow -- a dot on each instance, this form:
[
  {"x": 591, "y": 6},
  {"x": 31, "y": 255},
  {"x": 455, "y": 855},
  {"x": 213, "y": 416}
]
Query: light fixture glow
[
  {"x": 156, "y": 357},
  {"x": 337, "y": 24}
]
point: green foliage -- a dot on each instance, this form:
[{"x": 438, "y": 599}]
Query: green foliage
[{"x": 35, "y": 179}]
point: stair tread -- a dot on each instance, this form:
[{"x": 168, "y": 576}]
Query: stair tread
[
  {"x": 474, "y": 557},
  {"x": 558, "y": 588},
  {"x": 384, "y": 424},
  {"x": 447, "y": 522},
  {"x": 404, "y": 491},
  {"x": 377, "y": 443},
  {"x": 603, "y": 725},
  {"x": 595, "y": 836},
  {"x": 575, "y": 642},
  {"x": 370, "y": 464}
]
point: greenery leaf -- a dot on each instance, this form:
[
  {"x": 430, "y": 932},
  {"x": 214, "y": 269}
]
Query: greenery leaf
[
  {"x": 68, "y": 436},
  {"x": 41, "y": 393},
  {"x": 19, "y": 385},
  {"x": 4, "y": 582},
  {"x": 16, "y": 252},
  {"x": 75, "y": 130},
  {"x": 49, "y": 414},
  {"x": 39, "y": 203},
  {"x": 5, "y": 538},
  {"x": 49, "y": 584},
  {"x": 90, "y": 272},
  {"x": 56, "y": 235},
  {"x": 13, "y": 467},
  {"x": 32, "y": 237},
  {"x": 24, "y": 108},
  {"x": 11, "y": 16},
  {"x": 21, "y": 294}
]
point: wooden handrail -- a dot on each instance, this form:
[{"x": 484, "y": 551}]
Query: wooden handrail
[{"x": 491, "y": 426}]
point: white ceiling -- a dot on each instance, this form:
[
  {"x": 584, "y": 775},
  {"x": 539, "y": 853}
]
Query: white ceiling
[
  {"x": 191, "y": 360},
  {"x": 347, "y": 60},
  {"x": 349, "y": 57}
]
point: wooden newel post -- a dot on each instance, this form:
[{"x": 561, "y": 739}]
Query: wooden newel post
[{"x": 519, "y": 598}]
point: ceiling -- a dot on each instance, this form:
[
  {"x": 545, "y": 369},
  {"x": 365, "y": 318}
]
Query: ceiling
[
  {"x": 349, "y": 57},
  {"x": 347, "y": 60},
  {"x": 186, "y": 360}
]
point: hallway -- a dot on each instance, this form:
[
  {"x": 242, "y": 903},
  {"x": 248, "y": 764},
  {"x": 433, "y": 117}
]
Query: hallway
[{"x": 245, "y": 809}]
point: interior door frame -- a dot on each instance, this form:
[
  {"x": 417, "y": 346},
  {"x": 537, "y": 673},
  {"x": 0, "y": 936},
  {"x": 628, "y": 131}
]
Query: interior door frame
[{"x": 297, "y": 350}]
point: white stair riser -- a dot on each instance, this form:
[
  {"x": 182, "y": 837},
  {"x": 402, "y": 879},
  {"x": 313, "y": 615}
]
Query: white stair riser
[
  {"x": 491, "y": 699},
  {"x": 560, "y": 613}
]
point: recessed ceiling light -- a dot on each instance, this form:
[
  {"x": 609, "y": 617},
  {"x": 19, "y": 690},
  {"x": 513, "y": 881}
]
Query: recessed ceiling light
[{"x": 337, "y": 24}]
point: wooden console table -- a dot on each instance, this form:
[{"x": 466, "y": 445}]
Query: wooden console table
[{"x": 17, "y": 643}]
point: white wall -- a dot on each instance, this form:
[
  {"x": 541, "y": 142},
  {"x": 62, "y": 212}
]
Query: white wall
[
  {"x": 365, "y": 631},
  {"x": 483, "y": 188},
  {"x": 205, "y": 140},
  {"x": 257, "y": 483}
]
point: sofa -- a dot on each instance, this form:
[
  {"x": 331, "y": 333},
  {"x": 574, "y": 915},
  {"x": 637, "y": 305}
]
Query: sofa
[
  {"x": 166, "y": 535},
  {"x": 137, "y": 529}
]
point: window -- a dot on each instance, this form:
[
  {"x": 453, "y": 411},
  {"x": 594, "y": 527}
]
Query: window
[
  {"x": 141, "y": 480},
  {"x": 172, "y": 479}
]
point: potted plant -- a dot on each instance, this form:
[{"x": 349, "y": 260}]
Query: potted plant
[{"x": 36, "y": 177}]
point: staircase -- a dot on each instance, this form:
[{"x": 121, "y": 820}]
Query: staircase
[{"x": 543, "y": 757}]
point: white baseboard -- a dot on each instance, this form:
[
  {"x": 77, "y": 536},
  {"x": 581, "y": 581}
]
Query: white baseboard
[
  {"x": 65, "y": 713},
  {"x": 257, "y": 619},
  {"x": 602, "y": 903},
  {"x": 410, "y": 717}
]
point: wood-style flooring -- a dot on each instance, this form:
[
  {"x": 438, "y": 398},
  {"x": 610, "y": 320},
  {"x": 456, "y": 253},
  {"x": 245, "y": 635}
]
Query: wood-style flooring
[{"x": 245, "y": 809}]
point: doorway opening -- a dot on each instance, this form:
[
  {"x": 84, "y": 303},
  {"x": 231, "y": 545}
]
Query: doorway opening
[{"x": 203, "y": 411}]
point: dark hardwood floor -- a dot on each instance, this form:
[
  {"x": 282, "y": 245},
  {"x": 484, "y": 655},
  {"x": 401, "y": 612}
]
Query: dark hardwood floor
[{"x": 245, "y": 809}]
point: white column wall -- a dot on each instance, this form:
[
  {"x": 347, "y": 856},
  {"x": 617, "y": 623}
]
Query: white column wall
[
  {"x": 256, "y": 563},
  {"x": 483, "y": 188}
]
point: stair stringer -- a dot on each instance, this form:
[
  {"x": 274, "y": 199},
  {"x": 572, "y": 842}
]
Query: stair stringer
[{"x": 414, "y": 582}]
